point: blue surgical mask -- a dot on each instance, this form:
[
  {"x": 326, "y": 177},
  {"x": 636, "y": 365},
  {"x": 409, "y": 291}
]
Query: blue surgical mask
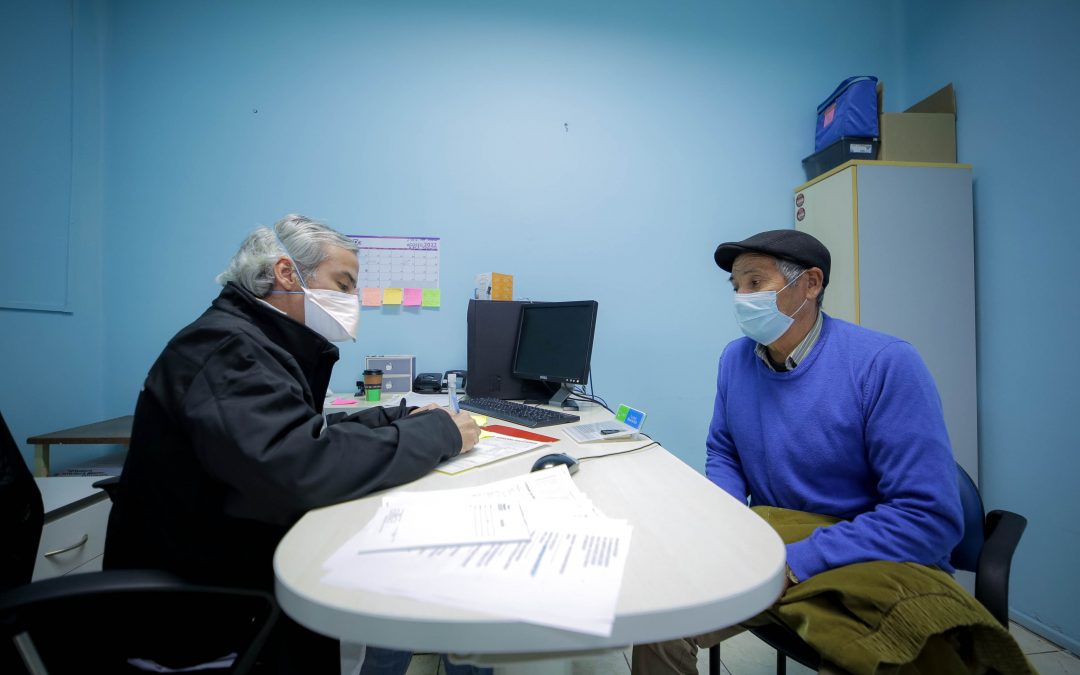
[{"x": 760, "y": 319}]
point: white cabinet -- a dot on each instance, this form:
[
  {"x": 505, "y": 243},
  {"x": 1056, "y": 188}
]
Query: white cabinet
[
  {"x": 901, "y": 236},
  {"x": 76, "y": 516}
]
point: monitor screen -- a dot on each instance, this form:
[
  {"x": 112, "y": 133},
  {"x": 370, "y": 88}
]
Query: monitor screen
[{"x": 555, "y": 341}]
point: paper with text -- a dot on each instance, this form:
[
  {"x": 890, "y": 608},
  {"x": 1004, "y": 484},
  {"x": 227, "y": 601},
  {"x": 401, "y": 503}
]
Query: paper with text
[
  {"x": 438, "y": 522},
  {"x": 566, "y": 575},
  {"x": 491, "y": 448}
]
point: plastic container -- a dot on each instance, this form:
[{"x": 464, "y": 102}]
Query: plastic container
[{"x": 844, "y": 149}]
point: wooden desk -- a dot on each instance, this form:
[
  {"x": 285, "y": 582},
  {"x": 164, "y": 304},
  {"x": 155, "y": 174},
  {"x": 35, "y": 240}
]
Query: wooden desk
[
  {"x": 116, "y": 431},
  {"x": 699, "y": 560}
]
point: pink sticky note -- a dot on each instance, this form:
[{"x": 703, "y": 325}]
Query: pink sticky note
[
  {"x": 371, "y": 297},
  {"x": 343, "y": 401},
  {"x": 413, "y": 297}
]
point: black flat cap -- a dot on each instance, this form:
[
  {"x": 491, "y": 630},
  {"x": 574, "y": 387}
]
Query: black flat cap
[{"x": 798, "y": 247}]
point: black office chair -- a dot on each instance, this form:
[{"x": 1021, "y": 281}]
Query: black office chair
[
  {"x": 987, "y": 549},
  {"x": 97, "y": 621},
  {"x": 107, "y": 621},
  {"x": 21, "y": 514}
]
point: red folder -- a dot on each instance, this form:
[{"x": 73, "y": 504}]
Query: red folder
[{"x": 518, "y": 433}]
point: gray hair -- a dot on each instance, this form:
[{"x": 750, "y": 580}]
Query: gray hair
[
  {"x": 305, "y": 240},
  {"x": 791, "y": 272}
]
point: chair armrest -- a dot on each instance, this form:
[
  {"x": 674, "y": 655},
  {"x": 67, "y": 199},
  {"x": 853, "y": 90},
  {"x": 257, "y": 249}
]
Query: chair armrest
[
  {"x": 104, "y": 618},
  {"x": 1003, "y": 532},
  {"x": 109, "y": 485},
  {"x": 787, "y": 642}
]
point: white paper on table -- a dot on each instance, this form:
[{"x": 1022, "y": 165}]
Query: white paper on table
[
  {"x": 439, "y": 520},
  {"x": 568, "y": 575},
  {"x": 541, "y": 494},
  {"x": 552, "y": 487},
  {"x": 489, "y": 449}
]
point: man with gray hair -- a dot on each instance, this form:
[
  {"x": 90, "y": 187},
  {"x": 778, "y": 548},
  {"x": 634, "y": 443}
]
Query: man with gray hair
[{"x": 229, "y": 446}]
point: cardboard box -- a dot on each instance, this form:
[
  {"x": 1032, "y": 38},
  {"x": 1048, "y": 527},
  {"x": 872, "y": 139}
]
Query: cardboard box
[
  {"x": 494, "y": 286},
  {"x": 925, "y": 132}
]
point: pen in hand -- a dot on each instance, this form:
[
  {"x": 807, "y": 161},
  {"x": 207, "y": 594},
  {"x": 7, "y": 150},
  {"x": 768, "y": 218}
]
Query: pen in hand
[{"x": 451, "y": 388}]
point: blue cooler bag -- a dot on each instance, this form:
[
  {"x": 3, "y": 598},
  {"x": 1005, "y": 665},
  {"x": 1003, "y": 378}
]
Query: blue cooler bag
[{"x": 852, "y": 110}]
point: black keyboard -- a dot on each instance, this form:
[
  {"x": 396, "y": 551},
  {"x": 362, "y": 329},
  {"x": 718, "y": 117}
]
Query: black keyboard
[{"x": 518, "y": 413}]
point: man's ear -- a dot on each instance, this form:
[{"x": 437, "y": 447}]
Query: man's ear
[
  {"x": 285, "y": 275},
  {"x": 814, "y": 279}
]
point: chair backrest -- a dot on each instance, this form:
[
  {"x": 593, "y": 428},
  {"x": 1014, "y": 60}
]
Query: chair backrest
[
  {"x": 965, "y": 555},
  {"x": 99, "y": 621},
  {"x": 21, "y": 514}
]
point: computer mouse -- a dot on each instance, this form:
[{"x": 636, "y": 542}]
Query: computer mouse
[{"x": 557, "y": 459}]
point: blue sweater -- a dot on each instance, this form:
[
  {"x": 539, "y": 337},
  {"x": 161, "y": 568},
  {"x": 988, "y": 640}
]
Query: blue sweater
[{"x": 855, "y": 431}]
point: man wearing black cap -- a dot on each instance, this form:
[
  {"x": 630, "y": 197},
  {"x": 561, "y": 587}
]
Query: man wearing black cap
[{"x": 817, "y": 415}]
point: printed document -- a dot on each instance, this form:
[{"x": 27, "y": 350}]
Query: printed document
[
  {"x": 566, "y": 573},
  {"x": 437, "y": 522},
  {"x": 490, "y": 448},
  {"x": 566, "y": 576}
]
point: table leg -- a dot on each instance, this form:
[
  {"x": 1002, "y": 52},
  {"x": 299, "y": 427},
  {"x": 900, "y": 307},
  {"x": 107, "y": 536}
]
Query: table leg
[
  {"x": 352, "y": 657},
  {"x": 41, "y": 459}
]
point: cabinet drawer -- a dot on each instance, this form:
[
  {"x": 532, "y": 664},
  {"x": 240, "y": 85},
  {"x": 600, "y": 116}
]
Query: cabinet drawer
[
  {"x": 392, "y": 365},
  {"x": 396, "y": 385},
  {"x": 81, "y": 533}
]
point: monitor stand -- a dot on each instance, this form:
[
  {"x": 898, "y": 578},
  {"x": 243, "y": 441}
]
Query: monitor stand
[{"x": 560, "y": 399}]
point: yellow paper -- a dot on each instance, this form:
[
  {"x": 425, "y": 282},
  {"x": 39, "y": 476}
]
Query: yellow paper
[
  {"x": 432, "y": 297},
  {"x": 391, "y": 296},
  {"x": 480, "y": 420}
]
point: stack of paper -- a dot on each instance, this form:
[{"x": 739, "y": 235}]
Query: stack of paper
[
  {"x": 491, "y": 448},
  {"x": 532, "y": 548}
]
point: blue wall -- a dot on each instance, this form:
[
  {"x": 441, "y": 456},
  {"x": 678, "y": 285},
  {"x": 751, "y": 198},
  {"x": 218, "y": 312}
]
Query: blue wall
[
  {"x": 685, "y": 129},
  {"x": 1014, "y": 67},
  {"x": 53, "y": 370},
  {"x": 194, "y": 122}
]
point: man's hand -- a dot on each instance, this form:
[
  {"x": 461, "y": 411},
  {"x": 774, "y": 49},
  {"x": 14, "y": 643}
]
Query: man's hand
[
  {"x": 429, "y": 406},
  {"x": 470, "y": 432}
]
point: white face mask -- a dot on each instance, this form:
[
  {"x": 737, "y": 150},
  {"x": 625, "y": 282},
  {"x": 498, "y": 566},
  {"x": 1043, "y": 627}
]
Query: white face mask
[
  {"x": 332, "y": 314},
  {"x": 760, "y": 319}
]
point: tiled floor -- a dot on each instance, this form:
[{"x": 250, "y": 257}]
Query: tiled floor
[{"x": 746, "y": 655}]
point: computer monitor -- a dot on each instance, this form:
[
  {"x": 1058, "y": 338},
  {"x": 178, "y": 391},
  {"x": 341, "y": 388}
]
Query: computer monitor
[{"x": 554, "y": 344}]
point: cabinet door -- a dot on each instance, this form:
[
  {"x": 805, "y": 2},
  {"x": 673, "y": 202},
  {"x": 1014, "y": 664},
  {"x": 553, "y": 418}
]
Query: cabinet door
[{"x": 826, "y": 209}]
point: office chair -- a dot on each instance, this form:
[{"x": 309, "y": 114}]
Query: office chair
[
  {"x": 21, "y": 514},
  {"x": 95, "y": 622},
  {"x": 102, "y": 621},
  {"x": 987, "y": 548}
]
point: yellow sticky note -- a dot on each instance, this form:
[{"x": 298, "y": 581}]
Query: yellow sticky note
[
  {"x": 486, "y": 434},
  {"x": 480, "y": 420},
  {"x": 432, "y": 297},
  {"x": 371, "y": 297},
  {"x": 413, "y": 297},
  {"x": 391, "y": 296}
]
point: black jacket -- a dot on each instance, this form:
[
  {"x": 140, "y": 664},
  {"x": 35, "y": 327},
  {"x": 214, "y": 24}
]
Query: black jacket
[{"x": 229, "y": 447}]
